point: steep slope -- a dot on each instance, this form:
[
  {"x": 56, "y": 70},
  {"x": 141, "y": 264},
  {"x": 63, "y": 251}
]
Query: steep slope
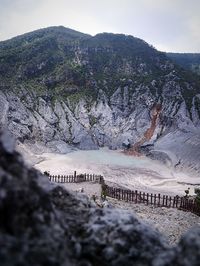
[
  {"x": 60, "y": 86},
  {"x": 189, "y": 61}
]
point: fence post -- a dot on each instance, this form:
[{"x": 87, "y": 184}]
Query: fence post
[
  {"x": 163, "y": 201},
  {"x": 132, "y": 195},
  {"x": 140, "y": 196},
  {"x": 154, "y": 199},
  {"x": 127, "y": 195},
  {"x": 173, "y": 204},
  {"x": 167, "y": 201},
  {"x": 143, "y": 197},
  {"x": 136, "y": 196},
  {"x": 177, "y": 198},
  {"x": 170, "y": 199},
  {"x": 181, "y": 204},
  {"x": 159, "y": 199},
  {"x": 147, "y": 198},
  {"x": 120, "y": 196},
  {"x": 121, "y": 193},
  {"x": 113, "y": 192},
  {"x": 75, "y": 174}
]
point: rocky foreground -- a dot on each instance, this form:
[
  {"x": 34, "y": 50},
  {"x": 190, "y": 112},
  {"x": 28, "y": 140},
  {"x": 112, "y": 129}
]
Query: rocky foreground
[
  {"x": 41, "y": 224},
  {"x": 170, "y": 222}
]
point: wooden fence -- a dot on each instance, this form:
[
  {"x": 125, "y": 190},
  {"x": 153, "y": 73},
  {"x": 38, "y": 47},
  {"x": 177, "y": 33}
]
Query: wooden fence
[
  {"x": 75, "y": 178},
  {"x": 157, "y": 200}
]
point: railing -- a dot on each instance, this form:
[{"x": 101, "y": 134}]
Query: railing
[
  {"x": 75, "y": 178},
  {"x": 157, "y": 200}
]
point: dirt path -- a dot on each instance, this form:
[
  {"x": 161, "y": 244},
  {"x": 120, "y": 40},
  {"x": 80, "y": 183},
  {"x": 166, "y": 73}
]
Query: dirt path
[{"x": 172, "y": 223}]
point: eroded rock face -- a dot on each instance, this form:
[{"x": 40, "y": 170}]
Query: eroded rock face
[
  {"x": 106, "y": 123},
  {"x": 41, "y": 224},
  {"x": 97, "y": 91}
]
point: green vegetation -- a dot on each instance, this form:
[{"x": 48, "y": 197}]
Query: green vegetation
[
  {"x": 103, "y": 190},
  {"x": 197, "y": 192},
  {"x": 69, "y": 65},
  {"x": 93, "y": 120},
  {"x": 189, "y": 61}
]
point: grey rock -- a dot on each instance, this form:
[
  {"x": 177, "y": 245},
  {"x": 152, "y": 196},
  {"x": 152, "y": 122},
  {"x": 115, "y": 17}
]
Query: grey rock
[
  {"x": 182, "y": 147},
  {"x": 109, "y": 121},
  {"x": 186, "y": 253},
  {"x": 44, "y": 224},
  {"x": 59, "y": 146},
  {"x": 4, "y": 106},
  {"x": 7, "y": 141},
  {"x": 160, "y": 156}
]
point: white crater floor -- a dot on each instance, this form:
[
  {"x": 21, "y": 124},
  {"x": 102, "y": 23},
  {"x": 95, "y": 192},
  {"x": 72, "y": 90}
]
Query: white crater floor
[{"x": 139, "y": 173}]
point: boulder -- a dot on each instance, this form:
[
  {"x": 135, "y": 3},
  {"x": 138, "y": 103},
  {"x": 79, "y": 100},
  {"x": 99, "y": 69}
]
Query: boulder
[{"x": 44, "y": 224}]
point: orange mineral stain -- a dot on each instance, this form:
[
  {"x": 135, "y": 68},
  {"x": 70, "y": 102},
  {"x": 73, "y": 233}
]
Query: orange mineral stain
[{"x": 148, "y": 133}]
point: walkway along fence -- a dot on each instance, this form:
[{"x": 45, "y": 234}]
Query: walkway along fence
[{"x": 157, "y": 200}]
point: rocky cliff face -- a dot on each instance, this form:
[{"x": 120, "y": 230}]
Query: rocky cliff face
[
  {"x": 62, "y": 87},
  {"x": 41, "y": 224}
]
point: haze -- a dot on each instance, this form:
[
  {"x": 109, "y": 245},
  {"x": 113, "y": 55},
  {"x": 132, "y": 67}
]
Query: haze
[{"x": 169, "y": 25}]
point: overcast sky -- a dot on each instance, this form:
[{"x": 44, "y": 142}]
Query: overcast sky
[{"x": 169, "y": 25}]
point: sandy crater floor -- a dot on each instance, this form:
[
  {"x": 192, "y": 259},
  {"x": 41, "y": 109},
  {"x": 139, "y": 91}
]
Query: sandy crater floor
[
  {"x": 139, "y": 173},
  {"x": 133, "y": 173}
]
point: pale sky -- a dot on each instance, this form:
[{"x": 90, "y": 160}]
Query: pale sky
[{"x": 168, "y": 25}]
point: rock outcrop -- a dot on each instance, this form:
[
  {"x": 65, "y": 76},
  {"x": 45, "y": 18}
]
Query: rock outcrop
[{"x": 41, "y": 224}]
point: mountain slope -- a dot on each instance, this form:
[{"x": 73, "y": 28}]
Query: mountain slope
[
  {"x": 189, "y": 61},
  {"x": 60, "y": 86}
]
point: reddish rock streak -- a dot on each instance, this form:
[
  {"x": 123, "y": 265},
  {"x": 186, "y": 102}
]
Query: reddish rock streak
[{"x": 148, "y": 133}]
